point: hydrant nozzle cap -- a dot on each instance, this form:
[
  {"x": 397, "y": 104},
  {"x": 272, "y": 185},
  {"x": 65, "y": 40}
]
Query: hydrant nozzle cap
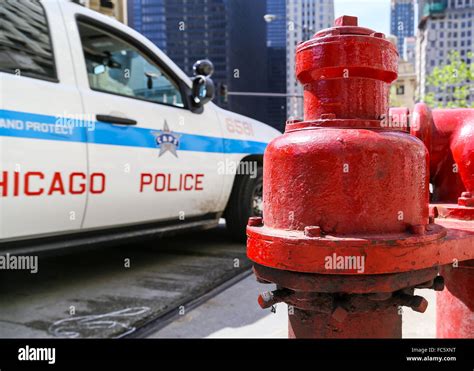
[{"x": 346, "y": 20}]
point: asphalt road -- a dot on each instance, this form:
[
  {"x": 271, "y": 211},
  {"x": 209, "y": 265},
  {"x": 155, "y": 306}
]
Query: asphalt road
[{"x": 110, "y": 292}]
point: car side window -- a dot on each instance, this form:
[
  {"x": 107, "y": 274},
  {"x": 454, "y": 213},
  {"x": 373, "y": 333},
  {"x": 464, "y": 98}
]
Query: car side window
[
  {"x": 115, "y": 66},
  {"x": 25, "y": 43}
]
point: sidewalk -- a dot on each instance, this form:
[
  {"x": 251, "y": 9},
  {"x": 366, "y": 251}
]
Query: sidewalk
[{"x": 235, "y": 313}]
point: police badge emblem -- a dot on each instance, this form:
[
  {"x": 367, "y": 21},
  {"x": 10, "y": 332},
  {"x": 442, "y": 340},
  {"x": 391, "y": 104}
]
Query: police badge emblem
[{"x": 167, "y": 141}]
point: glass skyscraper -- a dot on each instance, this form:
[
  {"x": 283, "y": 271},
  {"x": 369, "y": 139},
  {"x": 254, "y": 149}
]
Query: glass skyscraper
[
  {"x": 185, "y": 30},
  {"x": 231, "y": 33},
  {"x": 305, "y": 18},
  {"x": 276, "y": 54},
  {"x": 402, "y": 19}
]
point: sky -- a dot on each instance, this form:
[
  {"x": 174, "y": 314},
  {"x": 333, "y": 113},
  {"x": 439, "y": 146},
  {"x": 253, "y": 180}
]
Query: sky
[{"x": 374, "y": 14}]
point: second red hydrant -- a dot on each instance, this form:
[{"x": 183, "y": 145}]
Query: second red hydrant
[{"x": 346, "y": 234}]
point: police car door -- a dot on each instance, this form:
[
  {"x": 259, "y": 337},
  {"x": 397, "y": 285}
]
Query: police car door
[
  {"x": 160, "y": 159},
  {"x": 43, "y": 154}
]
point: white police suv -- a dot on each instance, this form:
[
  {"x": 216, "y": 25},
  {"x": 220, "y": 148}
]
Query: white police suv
[{"x": 103, "y": 137}]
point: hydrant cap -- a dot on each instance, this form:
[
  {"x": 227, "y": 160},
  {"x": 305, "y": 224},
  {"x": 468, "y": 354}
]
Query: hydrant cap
[
  {"x": 345, "y": 70},
  {"x": 346, "y": 20},
  {"x": 348, "y": 25}
]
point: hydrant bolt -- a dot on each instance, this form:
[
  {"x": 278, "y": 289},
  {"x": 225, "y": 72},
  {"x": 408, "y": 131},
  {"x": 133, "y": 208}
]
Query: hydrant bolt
[
  {"x": 339, "y": 314},
  {"x": 438, "y": 284},
  {"x": 255, "y": 221},
  {"x": 312, "y": 231}
]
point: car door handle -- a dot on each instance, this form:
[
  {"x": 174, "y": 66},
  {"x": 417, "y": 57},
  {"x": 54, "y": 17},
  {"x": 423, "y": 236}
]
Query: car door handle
[{"x": 115, "y": 120}]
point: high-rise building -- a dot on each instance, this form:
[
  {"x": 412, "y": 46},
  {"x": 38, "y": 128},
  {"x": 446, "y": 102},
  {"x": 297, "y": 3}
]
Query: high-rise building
[
  {"x": 231, "y": 33},
  {"x": 304, "y": 18},
  {"x": 149, "y": 19},
  {"x": 228, "y": 32},
  {"x": 409, "y": 49},
  {"x": 113, "y": 8},
  {"x": 420, "y": 5},
  {"x": 446, "y": 25},
  {"x": 402, "y": 91},
  {"x": 248, "y": 70},
  {"x": 186, "y": 31},
  {"x": 402, "y": 21},
  {"x": 276, "y": 53}
]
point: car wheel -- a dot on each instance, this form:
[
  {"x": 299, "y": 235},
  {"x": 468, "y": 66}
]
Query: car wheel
[{"x": 246, "y": 200}]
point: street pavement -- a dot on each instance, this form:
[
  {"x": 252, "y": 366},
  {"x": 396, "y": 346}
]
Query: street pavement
[
  {"x": 234, "y": 313},
  {"x": 96, "y": 293}
]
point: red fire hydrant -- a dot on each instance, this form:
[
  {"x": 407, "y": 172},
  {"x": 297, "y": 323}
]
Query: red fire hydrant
[
  {"x": 346, "y": 234},
  {"x": 449, "y": 137}
]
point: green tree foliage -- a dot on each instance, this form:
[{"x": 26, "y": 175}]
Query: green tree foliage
[{"x": 456, "y": 78}]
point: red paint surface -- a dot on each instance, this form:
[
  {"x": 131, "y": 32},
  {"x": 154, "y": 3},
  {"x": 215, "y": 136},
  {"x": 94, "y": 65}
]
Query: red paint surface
[
  {"x": 312, "y": 325},
  {"x": 394, "y": 253},
  {"x": 455, "y": 304},
  {"x": 339, "y": 178},
  {"x": 449, "y": 136},
  {"x": 346, "y": 71},
  {"x": 349, "y": 181}
]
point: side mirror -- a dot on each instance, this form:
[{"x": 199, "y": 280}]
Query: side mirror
[
  {"x": 203, "y": 67},
  {"x": 203, "y": 90},
  {"x": 150, "y": 76},
  {"x": 99, "y": 69}
]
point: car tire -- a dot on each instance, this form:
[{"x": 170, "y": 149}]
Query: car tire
[{"x": 245, "y": 201}]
